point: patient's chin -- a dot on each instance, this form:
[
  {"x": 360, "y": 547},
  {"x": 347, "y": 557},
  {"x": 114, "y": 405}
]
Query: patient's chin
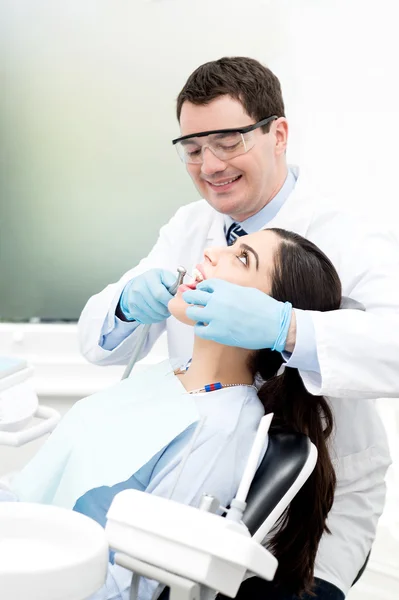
[{"x": 177, "y": 308}]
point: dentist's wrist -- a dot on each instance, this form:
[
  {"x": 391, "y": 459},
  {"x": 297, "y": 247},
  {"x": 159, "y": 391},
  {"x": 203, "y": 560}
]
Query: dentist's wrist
[
  {"x": 120, "y": 314},
  {"x": 122, "y": 309},
  {"x": 285, "y": 320},
  {"x": 291, "y": 335}
]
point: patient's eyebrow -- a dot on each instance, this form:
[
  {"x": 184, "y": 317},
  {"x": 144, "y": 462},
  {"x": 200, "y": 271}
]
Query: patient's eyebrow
[{"x": 249, "y": 249}]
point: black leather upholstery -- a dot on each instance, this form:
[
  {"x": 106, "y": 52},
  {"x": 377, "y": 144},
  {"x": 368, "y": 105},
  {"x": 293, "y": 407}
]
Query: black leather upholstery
[{"x": 284, "y": 459}]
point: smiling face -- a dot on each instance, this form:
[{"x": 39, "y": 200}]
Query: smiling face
[
  {"x": 243, "y": 185},
  {"x": 249, "y": 262}
]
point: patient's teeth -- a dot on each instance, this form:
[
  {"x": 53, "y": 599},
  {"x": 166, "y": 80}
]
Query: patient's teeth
[{"x": 197, "y": 275}]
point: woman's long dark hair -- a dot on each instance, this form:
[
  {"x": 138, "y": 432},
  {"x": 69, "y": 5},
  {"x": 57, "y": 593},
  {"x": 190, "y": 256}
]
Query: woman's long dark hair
[{"x": 304, "y": 276}]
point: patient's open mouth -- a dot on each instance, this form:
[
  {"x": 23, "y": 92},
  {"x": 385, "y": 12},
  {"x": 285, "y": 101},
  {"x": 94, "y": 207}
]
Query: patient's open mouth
[{"x": 197, "y": 276}]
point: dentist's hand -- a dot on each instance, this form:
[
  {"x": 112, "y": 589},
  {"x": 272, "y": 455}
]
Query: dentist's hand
[
  {"x": 145, "y": 298},
  {"x": 234, "y": 315}
]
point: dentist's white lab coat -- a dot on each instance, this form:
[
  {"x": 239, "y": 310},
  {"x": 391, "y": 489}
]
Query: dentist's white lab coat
[{"x": 358, "y": 352}]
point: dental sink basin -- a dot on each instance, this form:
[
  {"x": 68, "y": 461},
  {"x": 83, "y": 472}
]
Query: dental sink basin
[{"x": 49, "y": 553}]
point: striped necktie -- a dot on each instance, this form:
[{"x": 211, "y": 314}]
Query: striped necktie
[{"x": 234, "y": 231}]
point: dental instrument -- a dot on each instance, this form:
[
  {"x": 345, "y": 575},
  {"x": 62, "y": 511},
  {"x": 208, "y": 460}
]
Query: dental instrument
[{"x": 181, "y": 272}]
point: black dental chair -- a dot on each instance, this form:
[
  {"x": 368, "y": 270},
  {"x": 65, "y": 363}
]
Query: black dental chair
[
  {"x": 288, "y": 457},
  {"x": 289, "y": 460}
]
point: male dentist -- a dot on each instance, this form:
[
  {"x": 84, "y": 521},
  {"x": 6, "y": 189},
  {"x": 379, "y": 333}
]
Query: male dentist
[{"x": 233, "y": 143}]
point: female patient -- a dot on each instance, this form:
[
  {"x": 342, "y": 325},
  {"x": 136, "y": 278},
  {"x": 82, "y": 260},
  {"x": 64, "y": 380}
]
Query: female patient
[{"x": 291, "y": 269}]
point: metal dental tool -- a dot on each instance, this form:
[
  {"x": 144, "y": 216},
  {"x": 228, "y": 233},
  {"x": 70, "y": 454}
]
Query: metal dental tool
[{"x": 181, "y": 272}]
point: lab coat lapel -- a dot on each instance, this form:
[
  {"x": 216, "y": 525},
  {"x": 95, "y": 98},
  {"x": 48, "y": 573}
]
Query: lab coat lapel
[
  {"x": 216, "y": 235},
  {"x": 297, "y": 211}
]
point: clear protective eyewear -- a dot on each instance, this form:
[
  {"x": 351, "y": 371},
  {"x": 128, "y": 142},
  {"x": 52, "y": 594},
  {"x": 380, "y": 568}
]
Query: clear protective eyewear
[{"x": 223, "y": 143}]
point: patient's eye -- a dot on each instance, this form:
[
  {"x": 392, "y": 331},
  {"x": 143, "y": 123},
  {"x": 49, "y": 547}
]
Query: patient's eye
[{"x": 244, "y": 257}]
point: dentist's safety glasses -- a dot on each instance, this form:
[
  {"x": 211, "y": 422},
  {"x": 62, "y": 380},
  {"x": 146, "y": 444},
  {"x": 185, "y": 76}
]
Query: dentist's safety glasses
[{"x": 223, "y": 143}]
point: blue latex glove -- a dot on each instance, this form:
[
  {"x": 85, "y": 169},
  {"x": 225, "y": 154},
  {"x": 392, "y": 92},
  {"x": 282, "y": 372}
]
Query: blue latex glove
[
  {"x": 238, "y": 316},
  {"x": 145, "y": 298}
]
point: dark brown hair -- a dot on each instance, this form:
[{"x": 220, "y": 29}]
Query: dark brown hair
[
  {"x": 244, "y": 79},
  {"x": 304, "y": 276}
]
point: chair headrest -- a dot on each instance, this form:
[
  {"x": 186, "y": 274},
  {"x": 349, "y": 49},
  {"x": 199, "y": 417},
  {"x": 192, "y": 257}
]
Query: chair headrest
[{"x": 285, "y": 457}]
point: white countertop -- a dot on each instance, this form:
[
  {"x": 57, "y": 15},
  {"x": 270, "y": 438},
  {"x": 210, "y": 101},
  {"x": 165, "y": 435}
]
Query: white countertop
[{"x": 59, "y": 368}]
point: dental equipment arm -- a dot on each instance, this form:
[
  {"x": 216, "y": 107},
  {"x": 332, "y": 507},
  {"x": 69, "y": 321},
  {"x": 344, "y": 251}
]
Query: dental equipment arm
[
  {"x": 19, "y": 405},
  {"x": 49, "y": 420},
  {"x": 143, "y": 334},
  {"x": 239, "y": 503}
]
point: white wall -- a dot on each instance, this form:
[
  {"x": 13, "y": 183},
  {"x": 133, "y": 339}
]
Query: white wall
[{"x": 344, "y": 54}]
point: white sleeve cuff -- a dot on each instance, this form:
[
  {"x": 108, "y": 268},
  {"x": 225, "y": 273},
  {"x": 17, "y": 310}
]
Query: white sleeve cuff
[{"x": 304, "y": 357}]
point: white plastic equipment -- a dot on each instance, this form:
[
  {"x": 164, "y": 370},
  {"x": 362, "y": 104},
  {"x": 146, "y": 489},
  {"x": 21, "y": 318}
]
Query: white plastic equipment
[
  {"x": 49, "y": 553},
  {"x": 19, "y": 405},
  {"x": 197, "y": 546},
  {"x": 46, "y": 552},
  {"x": 194, "y": 552}
]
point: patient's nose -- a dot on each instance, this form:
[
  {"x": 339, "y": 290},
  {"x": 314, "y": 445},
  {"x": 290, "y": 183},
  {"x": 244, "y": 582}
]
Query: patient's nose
[{"x": 214, "y": 254}]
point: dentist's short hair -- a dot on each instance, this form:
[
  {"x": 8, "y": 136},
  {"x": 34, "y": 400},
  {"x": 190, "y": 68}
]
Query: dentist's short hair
[{"x": 242, "y": 78}]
